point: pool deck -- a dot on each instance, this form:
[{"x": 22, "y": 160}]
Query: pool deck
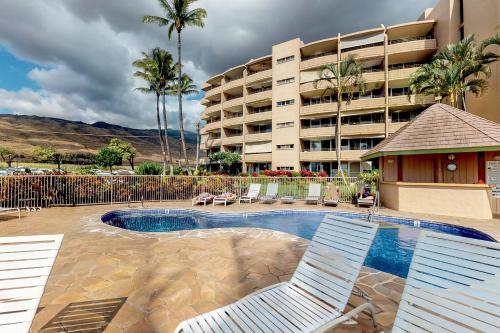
[{"x": 149, "y": 282}]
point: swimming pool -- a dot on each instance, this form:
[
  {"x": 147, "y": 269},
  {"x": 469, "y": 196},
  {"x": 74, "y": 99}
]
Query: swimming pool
[{"x": 390, "y": 252}]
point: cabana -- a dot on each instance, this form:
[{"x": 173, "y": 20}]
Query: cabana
[{"x": 445, "y": 161}]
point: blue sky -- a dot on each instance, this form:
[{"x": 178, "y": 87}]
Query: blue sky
[{"x": 14, "y": 72}]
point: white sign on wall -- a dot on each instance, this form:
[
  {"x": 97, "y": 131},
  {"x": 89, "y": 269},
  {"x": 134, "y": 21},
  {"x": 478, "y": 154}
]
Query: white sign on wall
[{"x": 493, "y": 177}]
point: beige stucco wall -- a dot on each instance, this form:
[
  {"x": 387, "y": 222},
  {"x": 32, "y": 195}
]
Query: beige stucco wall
[
  {"x": 288, "y": 135},
  {"x": 461, "y": 200},
  {"x": 481, "y": 18}
]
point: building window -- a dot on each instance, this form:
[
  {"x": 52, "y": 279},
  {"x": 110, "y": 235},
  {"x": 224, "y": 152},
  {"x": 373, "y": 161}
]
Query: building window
[
  {"x": 285, "y": 125},
  {"x": 286, "y": 168},
  {"x": 261, "y": 109},
  {"x": 404, "y": 116},
  {"x": 285, "y": 81},
  {"x": 285, "y": 103},
  {"x": 285, "y": 59},
  {"x": 284, "y": 147}
]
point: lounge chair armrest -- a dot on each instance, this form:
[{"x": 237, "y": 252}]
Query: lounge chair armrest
[{"x": 349, "y": 315}]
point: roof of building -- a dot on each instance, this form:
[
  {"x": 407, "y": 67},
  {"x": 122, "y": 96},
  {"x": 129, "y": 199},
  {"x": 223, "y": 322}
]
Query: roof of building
[{"x": 440, "y": 129}]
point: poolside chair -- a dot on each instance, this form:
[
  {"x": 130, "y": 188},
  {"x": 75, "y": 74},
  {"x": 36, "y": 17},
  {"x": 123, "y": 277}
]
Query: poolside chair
[
  {"x": 25, "y": 265},
  {"x": 203, "y": 198},
  {"x": 453, "y": 286},
  {"x": 224, "y": 198},
  {"x": 252, "y": 194},
  {"x": 10, "y": 211},
  {"x": 271, "y": 193},
  {"x": 287, "y": 199},
  {"x": 331, "y": 197},
  {"x": 367, "y": 201},
  {"x": 315, "y": 297},
  {"x": 314, "y": 194}
]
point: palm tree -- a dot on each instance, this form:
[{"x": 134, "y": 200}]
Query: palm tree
[
  {"x": 460, "y": 68},
  {"x": 149, "y": 71},
  {"x": 167, "y": 70},
  {"x": 342, "y": 79},
  {"x": 178, "y": 15},
  {"x": 187, "y": 86}
]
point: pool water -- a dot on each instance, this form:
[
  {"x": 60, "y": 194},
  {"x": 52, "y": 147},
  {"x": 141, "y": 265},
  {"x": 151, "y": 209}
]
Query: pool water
[{"x": 391, "y": 251}]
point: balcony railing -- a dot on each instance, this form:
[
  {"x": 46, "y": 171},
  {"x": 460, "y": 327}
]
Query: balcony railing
[
  {"x": 318, "y": 61},
  {"x": 232, "y": 139},
  {"x": 256, "y": 137},
  {"x": 259, "y": 96},
  {"x": 259, "y": 76},
  {"x": 232, "y": 121},
  {"x": 258, "y": 116},
  {"x": 214, "y": 91},
  {"x": 256, "y": 158},
  {"x": 233, "y": 102},
  {"x": 413, "y": 46},
  {"x": 233, "y": 83}
]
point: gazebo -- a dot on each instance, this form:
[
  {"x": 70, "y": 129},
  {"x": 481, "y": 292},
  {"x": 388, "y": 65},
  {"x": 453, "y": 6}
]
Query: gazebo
[{"x": 445, "y": 161}]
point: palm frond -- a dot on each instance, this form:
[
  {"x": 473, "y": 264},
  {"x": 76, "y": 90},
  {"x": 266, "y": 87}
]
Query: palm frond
[{"x": 161, "y": 21}]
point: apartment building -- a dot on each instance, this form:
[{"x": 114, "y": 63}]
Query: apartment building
[{"x": 270, "y": 111}]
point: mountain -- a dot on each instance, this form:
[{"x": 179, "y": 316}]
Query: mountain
[{"x": 22, "y": 133}]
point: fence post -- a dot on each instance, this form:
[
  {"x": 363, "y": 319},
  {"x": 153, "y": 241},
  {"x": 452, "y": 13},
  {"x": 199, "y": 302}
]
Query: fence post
[{"x": 112, "y": 189}]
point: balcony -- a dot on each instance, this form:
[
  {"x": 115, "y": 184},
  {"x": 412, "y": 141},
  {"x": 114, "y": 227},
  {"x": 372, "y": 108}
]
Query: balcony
[
  {"x": 212, "y": 143},
  {"x": 366, "y": 52},
  {"x": 320, "y": 86},
  {"x": 401, "y": 74},
  {"x": 358, "y": 104},
  {"x": 213, "y": 92},
  {"x": 232, "y": 121},
  {"x": 318, "y": 61},
  {"x": 259, "y": 96},
  {"x": 352, "y": 155},
  {"x": 418, "y": 44},
  {"x": 257, "y": 137},
  {"x": 317, "y": 156},
  {"x": 257, "y": 158},
  {"x": 229, "y": 140},
  {"x": 393, "y": 127},
  {"x": 362, "y": 129},
  {"x": 212, "y": 126},
  {"x": 414, "y": 99},
  {"x": 259, "y": 116},
  {"x": 234, "y": 83},
  {"x": 213, "y": 108},
  {"x": 317, "y": 132},
  {"x": 233, "y": 102},
  {"x": 259, "y": 76},
  {"x": 374, "y": 76}
]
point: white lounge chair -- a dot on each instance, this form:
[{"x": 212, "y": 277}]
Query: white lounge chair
[
  {"x": 331, "y": 197},
  {"x": 253, "y": 194},
  {"x": 453, "y": 286},
  {"x": 315, "y": 297},
  {"x": 271, "y": 193},
  {"x": 25, "y": 265},
  {"x": 10, "y": 211},
  {"x": 314, "y": 194},
  {"x": 224, "y": 198}
]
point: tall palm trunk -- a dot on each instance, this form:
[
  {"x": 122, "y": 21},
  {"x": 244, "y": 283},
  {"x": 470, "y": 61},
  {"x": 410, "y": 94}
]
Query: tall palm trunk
[
  {"x": 165, "y": 128},
  {"x": 179, "y": 95},
  {"x": 160, "y": 134}
]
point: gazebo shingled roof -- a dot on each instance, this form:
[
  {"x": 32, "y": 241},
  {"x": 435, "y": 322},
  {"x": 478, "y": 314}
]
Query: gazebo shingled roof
[{"x": 440, "y": 129}]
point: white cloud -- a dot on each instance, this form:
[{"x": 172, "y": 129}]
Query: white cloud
[{"x": 85, "y": 48}]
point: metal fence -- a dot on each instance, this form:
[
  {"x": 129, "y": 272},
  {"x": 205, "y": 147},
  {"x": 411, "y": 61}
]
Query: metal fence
[{"x": 69, "y": 190}]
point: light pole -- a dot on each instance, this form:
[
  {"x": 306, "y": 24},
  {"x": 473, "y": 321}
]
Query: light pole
[{"x": 197, "y": 144}]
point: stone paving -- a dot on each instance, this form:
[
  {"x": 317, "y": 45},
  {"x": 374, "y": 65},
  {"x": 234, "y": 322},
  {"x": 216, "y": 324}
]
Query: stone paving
[{"x": 165, "y": 278}]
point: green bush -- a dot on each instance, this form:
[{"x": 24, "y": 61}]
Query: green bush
[
  {"x": 149, "y": 169},
  {"x": 86, "y": 170}
]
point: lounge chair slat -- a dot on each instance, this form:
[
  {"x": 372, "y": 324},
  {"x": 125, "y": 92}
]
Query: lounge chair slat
[
  {"x": 25, "y": 265},
  {"x": 458, "y": 307},
  {"x": 228, "y": 320},
  {"x": 15, "y": 328},
  {"x": 320, "y": 288},
  {"x": 17, "y": 317},
  {"x": 24, "y": 273},
  {"x": 19, "y": 264},
  {"x": 453, "y": 283},
  {"x": 408, "y": 322}
]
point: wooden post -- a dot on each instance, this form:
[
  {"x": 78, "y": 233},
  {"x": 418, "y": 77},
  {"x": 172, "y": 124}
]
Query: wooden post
[
  {"x": 399, "y": 162},
  {"x": 481, "y": 167}
]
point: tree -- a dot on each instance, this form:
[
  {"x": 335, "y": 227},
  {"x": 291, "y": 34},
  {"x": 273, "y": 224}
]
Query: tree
[
  {"x": 225, "y": 159},
  {"x": 125, "y": 148},
  {"x": 149, "y": 71},
  {"x": 179, "y": 15},
  {"x": 459, "y": 68},
  {"x": 8, "y": 155},
  {"x": 108, "y": 157},
  {"x": 48, "y": 154},
  {"x": 149, "y": 168},
  {"x": 342, "y": 79}
]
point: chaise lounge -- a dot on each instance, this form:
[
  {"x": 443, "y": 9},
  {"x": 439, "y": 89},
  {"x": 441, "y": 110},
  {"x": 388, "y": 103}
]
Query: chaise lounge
[
  {"x": 252, "y": 194},
  {"x": 271, "y": 193},
  {"x": 314, "y": 195},
  {"x": 25, "y": 265},
  {"x": 315, "y": 297}
]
